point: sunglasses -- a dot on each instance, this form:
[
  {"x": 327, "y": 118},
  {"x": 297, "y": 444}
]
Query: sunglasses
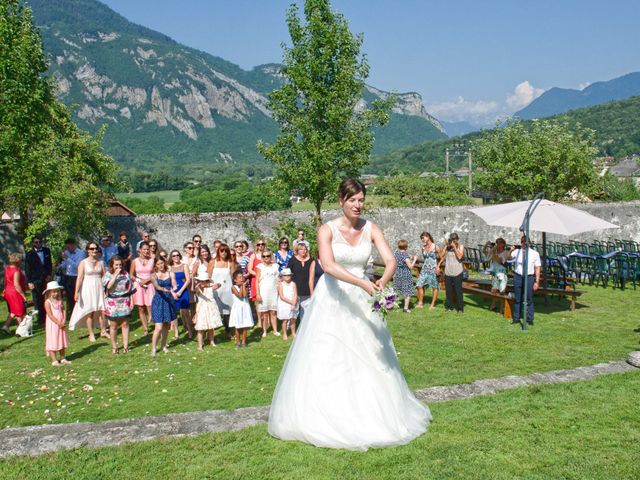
[
  {"x": 259, "y": 244},
  {"x": 197, "y": 241},
  {"x": 238, "y": 246},
  {"x": 284, "y": 243},
  {"x": 266, "y": 256},
  {"x": 175, "y": 256},
  {"x": 153, "y": 245},
  {"x": 92, "y": 249},
  {"x": 189, "y": 248}
]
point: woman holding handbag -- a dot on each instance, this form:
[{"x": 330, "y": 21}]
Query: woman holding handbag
[{"x": 118, "y": 287}]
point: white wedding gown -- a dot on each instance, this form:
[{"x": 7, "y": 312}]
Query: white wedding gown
[{"x": 341, "y": 385}]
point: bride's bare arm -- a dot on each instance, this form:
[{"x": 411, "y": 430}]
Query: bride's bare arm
[
  {"x": 385, "y": 252},
  {"x": 330, "y": 266}
]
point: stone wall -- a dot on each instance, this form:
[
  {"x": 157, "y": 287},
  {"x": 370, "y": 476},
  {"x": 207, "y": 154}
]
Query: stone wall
[{"x": 172, "y": 230}]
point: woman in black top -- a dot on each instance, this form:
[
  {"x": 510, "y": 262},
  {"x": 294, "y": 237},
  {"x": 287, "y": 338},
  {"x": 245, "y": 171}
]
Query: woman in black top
[{"x": 300, "y": 265}]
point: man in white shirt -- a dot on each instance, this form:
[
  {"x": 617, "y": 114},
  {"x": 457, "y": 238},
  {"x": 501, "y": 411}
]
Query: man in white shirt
[
  {"x": 72, "y": 256},
  {"x": 532, "y": 280}
]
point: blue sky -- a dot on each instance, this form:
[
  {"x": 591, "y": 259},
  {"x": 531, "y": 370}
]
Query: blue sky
[{"x": 469, "y": 59}]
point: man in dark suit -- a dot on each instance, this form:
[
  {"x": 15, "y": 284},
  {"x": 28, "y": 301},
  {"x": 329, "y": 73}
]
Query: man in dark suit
[{"x": 38, "y": 272}]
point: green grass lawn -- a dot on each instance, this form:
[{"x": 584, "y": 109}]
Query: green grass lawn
[
  {"x": 169, "y": 196},
  {"x": 435, "y": 348},
  {"x": 582, "y": 430}
]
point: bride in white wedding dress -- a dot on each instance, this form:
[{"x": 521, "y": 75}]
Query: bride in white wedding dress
[{"x": 341, "y": 385}]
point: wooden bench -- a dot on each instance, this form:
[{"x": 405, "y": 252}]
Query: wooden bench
[
  {"x": 507, "y": 301},
  {"x": 562, "y": 292}
]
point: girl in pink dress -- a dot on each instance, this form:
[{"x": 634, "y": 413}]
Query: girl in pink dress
[
  {"x": 141, "y": 270},
  {"x": 56, "y": 324}
]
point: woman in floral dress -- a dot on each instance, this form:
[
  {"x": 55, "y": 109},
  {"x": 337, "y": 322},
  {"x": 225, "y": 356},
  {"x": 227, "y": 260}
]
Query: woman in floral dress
[{"x": 429, "y": 272}]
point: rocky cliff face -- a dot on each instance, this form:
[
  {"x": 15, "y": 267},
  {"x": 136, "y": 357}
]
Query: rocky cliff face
[{"x": 164, "y": 101}]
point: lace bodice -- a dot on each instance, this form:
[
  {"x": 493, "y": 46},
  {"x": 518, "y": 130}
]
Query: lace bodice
[{"x": 353, "y": 258}]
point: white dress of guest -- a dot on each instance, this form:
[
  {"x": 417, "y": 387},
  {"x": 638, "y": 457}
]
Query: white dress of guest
[
  {"x": 207, "y": 314},
  {"x": 223, "y": 295},
  {"x": 285, "y": 310},
  {"x": 241, "y": 316},
  {"x": 91, "y": 298},
  {"x": 268, "y": 287}
]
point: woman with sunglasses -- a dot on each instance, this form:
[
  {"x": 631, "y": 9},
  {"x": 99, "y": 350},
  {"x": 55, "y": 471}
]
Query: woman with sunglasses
[
  {"x": 284, "y": 254},
  {"x": 221, "y": 271},
  {"x": 89, "y": 294},
  {"x": 153, "y": 249},
  {"x": 252, "y": 265},
  {"x": 197, "y": 245},
  {"x": 190, "y": 259},
  {"x": 141, "y": 270},
  {"x": 183, "y": 282}
]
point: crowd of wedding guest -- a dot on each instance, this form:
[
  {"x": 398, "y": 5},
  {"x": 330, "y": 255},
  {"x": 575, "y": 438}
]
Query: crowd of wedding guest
[
  {"x": 196, "y": 289},
  {"x": 190, "y": 291}
]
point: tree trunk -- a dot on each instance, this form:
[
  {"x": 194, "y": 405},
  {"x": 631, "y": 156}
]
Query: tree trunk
[{"x": 317, "y": 219}]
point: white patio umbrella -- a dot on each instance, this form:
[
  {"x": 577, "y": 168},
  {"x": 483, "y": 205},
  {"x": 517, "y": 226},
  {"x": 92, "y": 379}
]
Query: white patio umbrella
[
  {"x": 543, "y": 216},
  {"x": 548, "y": 217}
]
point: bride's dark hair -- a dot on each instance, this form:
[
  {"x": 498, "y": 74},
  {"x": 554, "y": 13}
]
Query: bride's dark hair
[{"x": 350, "y": 187}]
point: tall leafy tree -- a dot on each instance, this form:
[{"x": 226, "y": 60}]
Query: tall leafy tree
[
  {"x": 521, "y": 160},
  {"x": 324, "y": 126},
  {"x": 51, "y": 173}
]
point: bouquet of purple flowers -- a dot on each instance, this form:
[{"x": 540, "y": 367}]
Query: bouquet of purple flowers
[{"x": 383, "y": 301}]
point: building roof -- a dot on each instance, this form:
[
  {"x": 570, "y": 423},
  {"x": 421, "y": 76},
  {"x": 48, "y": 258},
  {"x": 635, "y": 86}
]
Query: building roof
[{"x": 118, "y": 209}]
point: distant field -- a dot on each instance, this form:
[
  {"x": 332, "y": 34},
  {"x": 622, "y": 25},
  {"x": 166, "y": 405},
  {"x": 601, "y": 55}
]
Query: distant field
[{"x": 169, "y": 196}]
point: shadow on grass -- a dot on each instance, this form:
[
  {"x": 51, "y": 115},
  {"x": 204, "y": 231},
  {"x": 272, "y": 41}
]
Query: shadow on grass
[
  {"x": 88, "y": 350},
  {"x": 18, "y": 340}
]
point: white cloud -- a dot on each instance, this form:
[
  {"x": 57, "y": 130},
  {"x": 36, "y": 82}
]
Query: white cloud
[
  {"x": 523, "y": 95},
  {"x": 461, "y": 109}
]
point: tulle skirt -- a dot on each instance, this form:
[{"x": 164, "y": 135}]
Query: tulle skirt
[{"x": 341, "y": 385}]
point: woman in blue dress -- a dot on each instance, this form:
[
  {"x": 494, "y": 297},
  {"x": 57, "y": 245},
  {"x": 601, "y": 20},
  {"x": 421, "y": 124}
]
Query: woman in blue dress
[
  {"x": 283, "y": 255},
  {"x": 163, "y": 308},
  {"x": 181, "y": 272},
  {"x": 429, "y": 272},
  {"x": 402, "y": 278}
]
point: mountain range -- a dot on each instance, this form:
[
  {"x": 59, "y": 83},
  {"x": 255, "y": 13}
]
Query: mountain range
[
  {"x": 172, "y": 108},
  {"x": 559, "y": 100}
]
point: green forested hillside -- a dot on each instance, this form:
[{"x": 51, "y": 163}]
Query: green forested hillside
[
  {"x": 174, "y": 109},
  {"x": 617, "y": 127}
]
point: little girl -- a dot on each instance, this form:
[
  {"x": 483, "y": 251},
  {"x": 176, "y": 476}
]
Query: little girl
[
  {"x": 163, "y": 307},
  {"x": 56, "y": 324},
  {"x": 287, "y": 303},
  {"x": 241, "y": 317},
  {"x": 207, "y": 316},
  {"x": 402, "y": 279},
  {"x": 267, "y": 292}
]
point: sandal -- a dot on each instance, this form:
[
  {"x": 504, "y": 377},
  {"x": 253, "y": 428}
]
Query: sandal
[
  {"x": 6, "y": 330},
  {"x": 64, "y": 361},
  {"x": 406, "y": 310},
  {"x": 126, "y": 350},
  {"x": 419, "y": 305},
  {"x": 115, "y": 351},
  {"x": 55, "y": 363}
]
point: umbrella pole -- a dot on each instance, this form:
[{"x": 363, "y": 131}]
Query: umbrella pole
[
  {"x": 544, "y": 261},
  {"x": 525, "y": 258}
]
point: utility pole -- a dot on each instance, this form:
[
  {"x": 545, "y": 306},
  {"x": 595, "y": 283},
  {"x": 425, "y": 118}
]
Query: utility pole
[
  {"x": 470, "y": 181},
  {"x": 446, "y": 159}
]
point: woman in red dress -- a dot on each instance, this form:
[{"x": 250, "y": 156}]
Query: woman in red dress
[{"x": 14, "y": 291}]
